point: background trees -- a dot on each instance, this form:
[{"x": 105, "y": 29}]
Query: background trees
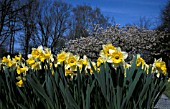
[
  {"x": 29, "y": 23},
  {"x": 165, "y": 18},
  {"x": 9, "y": 10},
  {"x": 52, "y": 23},
  {"x": 84, "y": 20}
]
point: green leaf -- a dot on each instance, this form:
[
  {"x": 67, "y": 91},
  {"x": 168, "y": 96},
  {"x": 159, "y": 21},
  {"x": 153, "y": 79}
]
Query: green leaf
[
  {"x": 69, "y": 101},
  {"x": 22, "y": 106},
  {"x": 39, "y": 89}
]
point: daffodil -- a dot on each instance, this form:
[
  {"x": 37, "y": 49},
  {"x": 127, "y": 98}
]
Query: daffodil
[
  {"x": 7, "y": 61},
  {"x": 85, "y": 60},
  {"x": 72, "y": 60},
  {"x": 61, "y": 57},
  {"x": 117, "y": 57},
  {"x": 107, "y": 48},
  {"x": 35, "y": 53},
  {"x": 10, "y": 63},
  {"x": 18, "y": 58},
  {"x": 80, "y": 64},
  {"x": 21, "y": 69},
  {"x": 19, "y": 83},
  {"x": 160, "y": 66},
  {"x": 99, "y": 61},
  {"x": 47, "y": 53},
  {"x": 41, "y": 57},
  {"x": 36, "y": 66},
  {"x": 21, "y": 78},
  {"x": 30, "y": 61},
  {"x": 139, "y": 61},
  {"x": 146, "y": 68},
  {"x": 68, "y": 72}
]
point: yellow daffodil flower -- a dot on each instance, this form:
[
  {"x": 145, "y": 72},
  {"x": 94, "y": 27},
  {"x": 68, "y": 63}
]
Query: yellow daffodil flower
[
  {"x": 72, "y": 60},
  {"x": 21, "y": 69},
  {"x": 19, "y": 83},
  {"x": 30, "y": 61},
  {"x": 36, "y": 66},
  {"x": 68, "y": 72},
  {"x": 85, "y": 60},
  {"x": 99, "y": 61},
  {"x": 139, "y": 61},
  {"x": 117, "y": 57},
  {"x": 18, "y": 58},
  {"x": 107, "y": 48},
  {"x": 160, "y": 66},
  {"x": 7, "y": 61},
  {"x": 35, "y": 53},
  {"x": 61, "y": 57},
  {"x": 41, "y": 57}
]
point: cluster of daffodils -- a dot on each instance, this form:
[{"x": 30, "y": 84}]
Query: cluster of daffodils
[
  {"x": 38, "y": 56},
  {"x": 112, "y": 55},
  {"x": 71, "y": 62},
  {"x": 16, "y": 63},
  {"x": 42, "y": 58}
]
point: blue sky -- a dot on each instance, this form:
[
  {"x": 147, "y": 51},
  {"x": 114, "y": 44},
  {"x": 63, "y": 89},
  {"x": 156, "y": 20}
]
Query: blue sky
[{"x": 126, "y": 11}]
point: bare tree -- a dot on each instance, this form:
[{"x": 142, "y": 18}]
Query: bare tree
[
  {"x": 27, "y": 20},
  {"x": 84, "y": 19},
  {"x": 144, "y": 23},
  {"x": 53, "y": 21},
  {"x": 8, "y": 17},
  {"x": 165, "y": 18}
]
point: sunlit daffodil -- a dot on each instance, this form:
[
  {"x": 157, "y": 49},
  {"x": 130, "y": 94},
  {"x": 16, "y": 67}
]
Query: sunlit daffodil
[
  {"x": 36, "y": 66},
  {"x": 117, "y": 57},
  {"x": 72, "y": 60},
  {"x": 85, "y": 60},
  {"x": 80, "y": 64},
  {"x": 21, "y": 69},
  {"x": 35, "y": 53},
  {"x": 18, "y": 58},
  {"x": 112, "y": 54},
  {"x": 99, "y": 61},
  {"x": 47, "y": 53},
  {"x": 61, "y": 57},
  {"x": 41, "y": 57},
  {"x": 30, "y": 61},
  {"x": 139, "y": 61},
  {"x": 107, "y": 48},
  {"x": 19, "y": 83},
  {"x": 68, "y": 72},
  {"x": 160, "y": 66},
  {"x": 7, "y": 61}
]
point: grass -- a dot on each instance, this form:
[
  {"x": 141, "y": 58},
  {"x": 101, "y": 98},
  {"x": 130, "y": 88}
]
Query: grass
[{"x": 167, "y": 91}]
